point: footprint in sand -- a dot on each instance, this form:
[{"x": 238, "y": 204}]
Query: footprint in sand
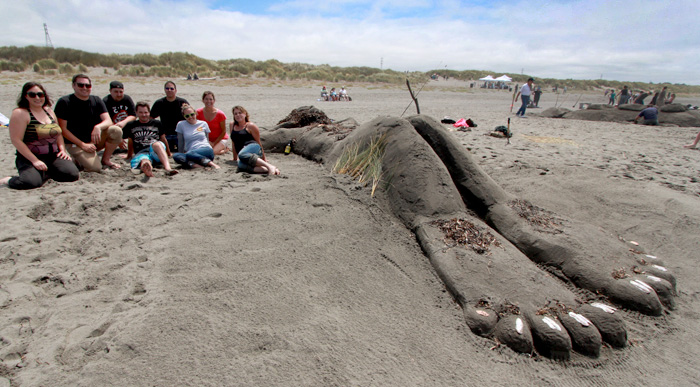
[{"x": 525, "y": 277}]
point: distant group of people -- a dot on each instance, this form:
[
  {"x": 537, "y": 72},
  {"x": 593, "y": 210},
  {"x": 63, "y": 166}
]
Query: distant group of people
[
  {"x": 58, "y": 143},
  {"x": 626, "y": 96},
  {"x": 334, "y": 95}
]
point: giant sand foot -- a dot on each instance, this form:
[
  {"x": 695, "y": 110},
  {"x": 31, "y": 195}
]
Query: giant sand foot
[
  {"x": 583, "y": 254},
  {"x": 504, "y": 294}
]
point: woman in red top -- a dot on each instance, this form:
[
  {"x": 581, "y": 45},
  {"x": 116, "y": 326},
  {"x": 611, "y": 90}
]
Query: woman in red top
[{"x": 216, "y": 120}]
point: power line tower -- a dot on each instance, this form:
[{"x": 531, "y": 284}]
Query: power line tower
[{"x": 48, "y": 38}]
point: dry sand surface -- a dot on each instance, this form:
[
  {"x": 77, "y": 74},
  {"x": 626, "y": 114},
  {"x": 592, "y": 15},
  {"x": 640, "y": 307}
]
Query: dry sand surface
[{"x": 212, "y": 278}]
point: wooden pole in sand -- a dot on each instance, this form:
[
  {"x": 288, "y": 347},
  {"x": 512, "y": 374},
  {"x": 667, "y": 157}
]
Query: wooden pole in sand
[{"x": 415, "y": 100}]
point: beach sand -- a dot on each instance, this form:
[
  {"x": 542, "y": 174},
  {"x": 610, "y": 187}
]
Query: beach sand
[{"x": 212, "y": 277}]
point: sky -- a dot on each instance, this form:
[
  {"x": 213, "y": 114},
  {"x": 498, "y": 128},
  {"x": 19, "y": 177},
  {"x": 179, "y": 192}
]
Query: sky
[{"x": 641, "y": 40}]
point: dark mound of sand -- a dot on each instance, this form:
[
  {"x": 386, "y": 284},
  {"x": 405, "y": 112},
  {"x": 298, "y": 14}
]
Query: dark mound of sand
[
  {"x": 674, "y": 108},
  {"x": 672, "y": 115},
  {"x": 555, "y": 112},
  {"x": 635, "y": 107},
  {"x": 304, "y": 116}
]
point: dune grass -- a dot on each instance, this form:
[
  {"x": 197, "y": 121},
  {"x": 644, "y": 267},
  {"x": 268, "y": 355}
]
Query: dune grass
[
  {"x": 365, "y": 164},
  {"x": 52, "y": 61}
]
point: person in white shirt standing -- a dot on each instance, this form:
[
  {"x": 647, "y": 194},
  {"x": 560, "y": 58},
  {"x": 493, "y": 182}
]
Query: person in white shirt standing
[{"x": 525, "y": 92}]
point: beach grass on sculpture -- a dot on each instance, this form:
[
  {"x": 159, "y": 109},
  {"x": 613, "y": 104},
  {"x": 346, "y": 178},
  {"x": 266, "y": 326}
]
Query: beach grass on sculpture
[{"x": 364, "y": 165}]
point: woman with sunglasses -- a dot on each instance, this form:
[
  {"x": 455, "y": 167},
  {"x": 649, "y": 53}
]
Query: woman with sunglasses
[
  {"x": 216, "y": 120},
  {"x": 41, "y": 152},
  {"x": 193, "y": 140},
  {"x": 247, "y": 148}
]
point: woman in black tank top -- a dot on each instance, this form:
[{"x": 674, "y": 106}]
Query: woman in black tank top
[
  {"x": 41, "y": 152},
  {"x": 247, "y": 148}
]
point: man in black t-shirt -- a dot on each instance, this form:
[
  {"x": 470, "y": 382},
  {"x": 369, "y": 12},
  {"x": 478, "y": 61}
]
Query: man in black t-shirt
[
  {"x": 120, "y": 107},
  {"x": 144, "y": 145},
  {"x": 169, "y": 109},
  {"x": 86, "y": 126}
]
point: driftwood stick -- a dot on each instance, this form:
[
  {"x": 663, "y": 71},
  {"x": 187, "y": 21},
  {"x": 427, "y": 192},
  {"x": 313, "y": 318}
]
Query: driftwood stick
[{"x": 415, "y": 100}]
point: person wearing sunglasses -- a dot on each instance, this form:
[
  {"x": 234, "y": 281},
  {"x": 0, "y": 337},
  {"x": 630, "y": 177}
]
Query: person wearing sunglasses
[
  {"x": 87, "y": 127},
  {"x": 193, "y": 141},
  {"x": 41, "y": 152},
  {"x": 169, "y": 109}
]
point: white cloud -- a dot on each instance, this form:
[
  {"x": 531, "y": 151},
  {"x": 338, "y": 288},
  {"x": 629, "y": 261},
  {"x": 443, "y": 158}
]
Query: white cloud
[{"x": 626, "y": 40}]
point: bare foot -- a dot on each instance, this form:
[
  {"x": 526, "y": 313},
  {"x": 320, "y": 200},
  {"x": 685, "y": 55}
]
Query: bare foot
[
  {"x": 111, "y": 165},
  {"x": 147, "y": 168},
  {"x": 273, "y": 170},
  {"x": 4, "y": 180},
  {"x": 171, "y": 172},
  {"x": 691, "y": 146},
  {"x": 211, "y": 164}
]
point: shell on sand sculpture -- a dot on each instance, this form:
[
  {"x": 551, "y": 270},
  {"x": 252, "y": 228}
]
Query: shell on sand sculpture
[{"x": 441, "y": 193}]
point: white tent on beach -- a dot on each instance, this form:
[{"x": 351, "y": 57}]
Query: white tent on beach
[{"x": 495, "y": 83}]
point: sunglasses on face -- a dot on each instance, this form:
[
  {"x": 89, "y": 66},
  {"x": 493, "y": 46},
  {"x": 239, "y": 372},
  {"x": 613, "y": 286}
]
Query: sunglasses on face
[
  {"x": 32, "y": 94},
  {"x": 169, "y": 88},
  {"x": 83, "y": 85},
  {"x": 189, "y": 115}
]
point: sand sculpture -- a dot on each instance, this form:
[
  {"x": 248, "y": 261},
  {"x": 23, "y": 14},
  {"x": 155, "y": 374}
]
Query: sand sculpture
[
  {"x": 525, "y": 277},
  {"x": 672, "y": 114}
]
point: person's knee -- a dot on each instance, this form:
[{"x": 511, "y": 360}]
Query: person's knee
[
  {"x": 92, "y": 164},
  {"x": 30, "y": 181},
  {"x": 113, "y": 134},
  {"x": 180, "y": 158}
]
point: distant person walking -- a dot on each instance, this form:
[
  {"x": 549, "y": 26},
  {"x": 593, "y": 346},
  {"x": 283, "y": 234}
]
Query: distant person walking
[
  {"x": 612, "y": 97},
  {"x": 538, "y": 94},
  {"x": 624, "y": 96},
  {"x": 525, "y": 92}
]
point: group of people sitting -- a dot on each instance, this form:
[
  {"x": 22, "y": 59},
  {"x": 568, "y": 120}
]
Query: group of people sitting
[
  {"x": 58, "y": 143},
  {"x": 626, "y": 96},
  {"x": 334, "y": 95}
]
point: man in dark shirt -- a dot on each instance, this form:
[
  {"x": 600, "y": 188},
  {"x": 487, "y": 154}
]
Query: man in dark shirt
[
  {"x": 169, "y": 109},
  {"x": 147, "y": 143},
  {"x": 86, "y": 126},
  {"x": 120, "y": 107},
  {"x": 650, "y": 115}
]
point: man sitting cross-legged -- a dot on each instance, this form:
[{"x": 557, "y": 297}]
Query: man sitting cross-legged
[{"x": 144, "y": 145}]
